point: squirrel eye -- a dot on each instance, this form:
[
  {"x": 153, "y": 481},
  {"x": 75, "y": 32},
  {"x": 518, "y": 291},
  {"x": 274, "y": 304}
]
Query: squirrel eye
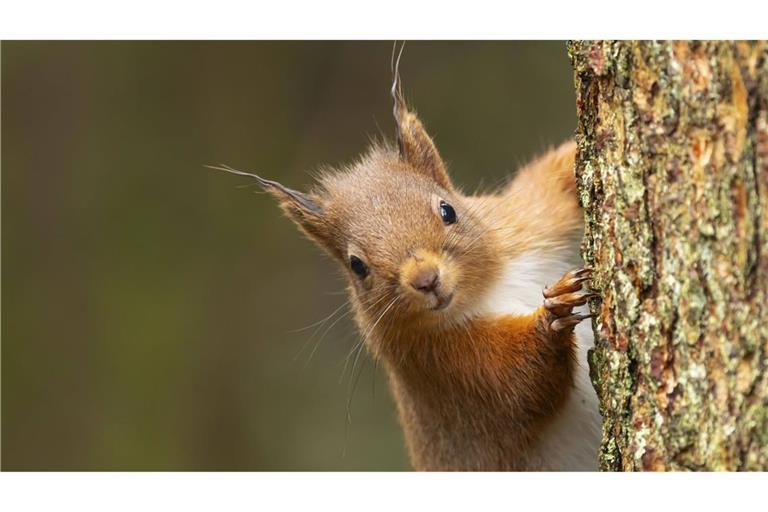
[
  {"x": 358, "y": 267},
  {"x": 447, "y": 213}
]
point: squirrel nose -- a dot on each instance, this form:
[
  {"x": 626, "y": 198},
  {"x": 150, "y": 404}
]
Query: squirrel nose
[{"x": 426, "y": 279}]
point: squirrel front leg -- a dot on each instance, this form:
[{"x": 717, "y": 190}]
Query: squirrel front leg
[{"x": 542, "y": 355}]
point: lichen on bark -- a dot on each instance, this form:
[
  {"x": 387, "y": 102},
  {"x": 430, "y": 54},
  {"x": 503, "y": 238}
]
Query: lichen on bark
[{"x": 672, "y": 170}]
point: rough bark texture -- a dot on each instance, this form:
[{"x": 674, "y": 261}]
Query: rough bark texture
[{"x": 672, "y": 168}]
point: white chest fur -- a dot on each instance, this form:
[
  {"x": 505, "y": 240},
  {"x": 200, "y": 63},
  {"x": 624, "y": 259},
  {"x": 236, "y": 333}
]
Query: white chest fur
[{"x": 572, "y": 441}]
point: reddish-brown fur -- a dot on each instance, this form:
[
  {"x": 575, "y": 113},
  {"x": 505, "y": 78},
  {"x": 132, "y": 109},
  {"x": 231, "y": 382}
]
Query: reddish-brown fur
[
  {"x": 470, "y": 390},
  {"x": 474, "y": 390},
  {"x": 485, "y": 388}
]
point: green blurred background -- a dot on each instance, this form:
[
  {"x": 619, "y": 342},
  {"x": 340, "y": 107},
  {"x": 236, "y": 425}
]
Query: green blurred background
[{"x": 150, "y": 305}]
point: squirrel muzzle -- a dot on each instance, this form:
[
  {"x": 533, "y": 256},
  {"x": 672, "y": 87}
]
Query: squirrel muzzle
[{"x": 426, "y": 278}]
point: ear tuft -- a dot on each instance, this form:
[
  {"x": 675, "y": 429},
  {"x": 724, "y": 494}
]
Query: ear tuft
[
  {"x": 304, "y": 209},
  {"x": 281, "y": 192},
  {"x": 414, "y": 143}
]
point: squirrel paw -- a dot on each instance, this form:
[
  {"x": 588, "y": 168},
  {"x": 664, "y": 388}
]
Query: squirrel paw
[{"x": 563, "y": 296}]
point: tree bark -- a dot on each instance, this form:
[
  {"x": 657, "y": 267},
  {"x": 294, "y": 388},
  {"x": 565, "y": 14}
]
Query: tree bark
[{"x": 672, "y": 170}]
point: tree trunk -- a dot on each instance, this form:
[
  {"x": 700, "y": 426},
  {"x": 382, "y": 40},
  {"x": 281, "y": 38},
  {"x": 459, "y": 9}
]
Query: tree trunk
[{"x": 672, "y": 169}]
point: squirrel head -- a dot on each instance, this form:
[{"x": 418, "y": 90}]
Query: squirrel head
[{"x": 416, "y": 252}]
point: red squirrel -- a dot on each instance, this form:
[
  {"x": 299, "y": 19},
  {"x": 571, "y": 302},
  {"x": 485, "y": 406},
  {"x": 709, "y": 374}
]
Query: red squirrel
[{"x": 449, "y": 293}]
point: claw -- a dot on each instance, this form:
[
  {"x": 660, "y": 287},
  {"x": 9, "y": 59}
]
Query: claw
[
  {"x": 562, "y": 305},
  {"x": 565, "y": 285},
  {"x": 567, "y": 321},
  {"x": 568, "y": 299},
  {"x": 566, "y": 294}
]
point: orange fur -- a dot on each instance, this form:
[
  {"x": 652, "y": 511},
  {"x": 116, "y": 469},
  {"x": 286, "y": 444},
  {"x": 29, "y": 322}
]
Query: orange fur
[
  {"x": 474, "y": 391},
  {"x": 483, "y": 390},
  {"x": 539, "y": 208}
]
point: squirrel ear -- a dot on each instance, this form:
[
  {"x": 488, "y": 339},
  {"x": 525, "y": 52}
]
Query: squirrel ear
[
  {"x": 303, "y": 209},
  {"x": 414, "y": 143}
]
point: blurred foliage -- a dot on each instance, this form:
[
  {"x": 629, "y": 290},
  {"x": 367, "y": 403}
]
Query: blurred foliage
[{"x": 150, "y": 305}]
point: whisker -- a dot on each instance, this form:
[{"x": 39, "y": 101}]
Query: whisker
[
  {"x": 360, "y": 343},
  {"x": 328, "y": 329},
  {"x": 322, "y": 337},
  {"x": 358, "y": 347},
  {"x": 318, "y": 325},
  {"x": 354, "y": 379},
  {"x": 322, "y": 321}
]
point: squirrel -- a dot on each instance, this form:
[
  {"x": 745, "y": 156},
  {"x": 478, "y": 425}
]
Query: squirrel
[{"x": 448, "y": 291}]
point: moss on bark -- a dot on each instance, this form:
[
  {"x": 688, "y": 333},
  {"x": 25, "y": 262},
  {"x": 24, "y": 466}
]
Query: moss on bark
[{"x": 672, "y": 169}]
